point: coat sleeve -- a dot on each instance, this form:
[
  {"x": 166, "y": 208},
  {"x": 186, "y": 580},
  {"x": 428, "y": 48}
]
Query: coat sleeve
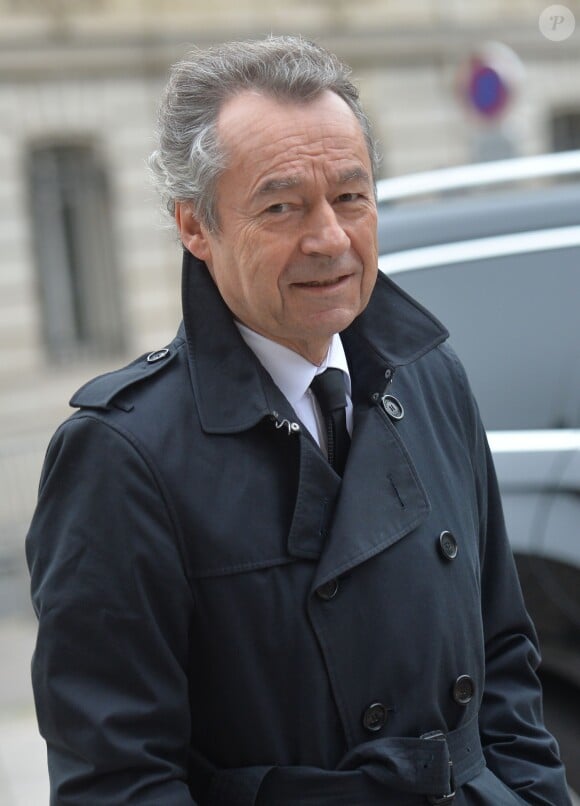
[
  {"x": 517, "y": 746},
  {"x": 113, "y": 603}
]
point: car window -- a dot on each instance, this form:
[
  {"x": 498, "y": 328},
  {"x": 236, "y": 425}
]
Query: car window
[
  {"x": 447, "y": 220},
  {"x": 513, "y": 320}
]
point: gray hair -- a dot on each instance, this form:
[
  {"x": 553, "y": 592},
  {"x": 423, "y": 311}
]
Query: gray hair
[{"x": 190, "y": 158}]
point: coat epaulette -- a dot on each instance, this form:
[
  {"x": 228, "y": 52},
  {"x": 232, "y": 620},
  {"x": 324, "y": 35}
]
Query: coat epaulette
[{"x": 106, "y": 390}]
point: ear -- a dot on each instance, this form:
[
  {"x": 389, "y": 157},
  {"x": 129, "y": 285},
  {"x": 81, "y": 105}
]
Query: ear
[{"x": 194, "y": 235}]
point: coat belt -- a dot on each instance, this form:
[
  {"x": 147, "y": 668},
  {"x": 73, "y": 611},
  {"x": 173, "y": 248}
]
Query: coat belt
[{"x": 384, "y": 771}]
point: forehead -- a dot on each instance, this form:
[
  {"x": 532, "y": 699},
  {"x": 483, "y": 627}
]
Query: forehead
[{"x": 264, "y": 135}]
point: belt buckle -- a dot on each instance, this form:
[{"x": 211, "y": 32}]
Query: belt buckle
[{"x": 441, "y": 800}]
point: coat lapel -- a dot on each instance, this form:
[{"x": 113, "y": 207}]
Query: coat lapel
[
  {"x": 381, "y": 498},
  {"x": 226, "y": 377}
]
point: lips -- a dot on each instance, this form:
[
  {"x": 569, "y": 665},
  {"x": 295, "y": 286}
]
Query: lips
[{"x": 323, "y": 283}]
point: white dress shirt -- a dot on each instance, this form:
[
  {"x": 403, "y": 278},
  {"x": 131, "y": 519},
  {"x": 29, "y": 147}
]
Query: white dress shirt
[{"x": 293, "y": 375}]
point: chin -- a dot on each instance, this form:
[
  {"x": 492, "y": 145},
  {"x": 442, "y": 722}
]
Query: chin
[{"x": 340, "y": 319}]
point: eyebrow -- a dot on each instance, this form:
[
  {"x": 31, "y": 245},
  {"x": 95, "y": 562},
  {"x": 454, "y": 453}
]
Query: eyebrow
[
  {"x": 282, "y": 183},
  {"x": 285, "y": 182},
  {"x": 355, "y": 173}
]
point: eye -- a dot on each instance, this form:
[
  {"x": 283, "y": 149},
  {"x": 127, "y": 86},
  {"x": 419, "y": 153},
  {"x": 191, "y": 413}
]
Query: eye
[
  {"x": 348, "y": 197},
  {"x": 280, "y": 207}
]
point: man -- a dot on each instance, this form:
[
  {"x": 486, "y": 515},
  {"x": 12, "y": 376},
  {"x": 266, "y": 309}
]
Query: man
[{"x": 225, "y": 616}]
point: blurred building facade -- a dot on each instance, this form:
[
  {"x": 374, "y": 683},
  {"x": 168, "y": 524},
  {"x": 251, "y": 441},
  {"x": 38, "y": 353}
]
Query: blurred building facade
[{"x": 89, "y": 271}]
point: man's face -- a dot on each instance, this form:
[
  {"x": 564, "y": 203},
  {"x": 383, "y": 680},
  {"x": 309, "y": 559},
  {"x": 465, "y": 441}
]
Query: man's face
[{"x": 295, "y": 257}]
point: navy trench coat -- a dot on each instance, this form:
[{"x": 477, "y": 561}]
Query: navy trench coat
[{"x": 223, "y": 620}]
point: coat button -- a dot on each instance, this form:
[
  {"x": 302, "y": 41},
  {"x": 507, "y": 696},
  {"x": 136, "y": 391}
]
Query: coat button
[
  {"x": 463, "y": 689},
  {"x": 375, "y": 717},
  {"x": 157, "y": 355},
  {"x": 393, "y": 407},
  {"x": 447, "y": 546},
  {"x": 328, "y": 591}
]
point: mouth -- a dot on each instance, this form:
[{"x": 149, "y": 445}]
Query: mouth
[{"x": 333, "y": 281}]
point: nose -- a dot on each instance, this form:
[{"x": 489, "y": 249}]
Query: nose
[{"x": 324, "y": 235}]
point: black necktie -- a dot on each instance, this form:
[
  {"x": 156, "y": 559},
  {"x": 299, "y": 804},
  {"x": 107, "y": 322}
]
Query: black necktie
[{"x": 330, "y": 393}]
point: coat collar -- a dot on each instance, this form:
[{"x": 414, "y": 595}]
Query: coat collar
[{"x": 232, "y": 389}]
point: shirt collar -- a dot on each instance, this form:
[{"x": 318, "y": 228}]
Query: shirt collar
[{"x": 291, "y": 372}]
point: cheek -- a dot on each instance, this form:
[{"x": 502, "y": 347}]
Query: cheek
[
  {"x": 363, "y": 234},
  {"x": 365, "y": 245},
  {"x": 369, "y": 281},
  {"x": 261, "y": 262},
  {"x": 257, "y": 281},
  {"x": 370, "y": 272}
]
